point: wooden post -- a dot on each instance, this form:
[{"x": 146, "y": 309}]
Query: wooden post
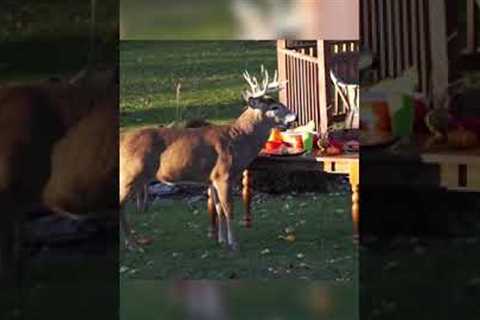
[
  {"x": 247, "y": 197},
  {"x": 471, "y": 48},
  {"x": 439, "y": 50},
  {"x": 282, "y": 71},
  {"x": 323, "y": 85}
]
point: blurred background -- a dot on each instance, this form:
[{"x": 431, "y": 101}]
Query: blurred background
[
  {"x": 271, "y": 300},
  {"x": 238, "y": 19}
]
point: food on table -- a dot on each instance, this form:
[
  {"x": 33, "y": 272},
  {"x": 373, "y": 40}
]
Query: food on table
[
  {"x": 351, "y": 146},
  {"x": 309, "y": 127},
  {"x": 333, "y": 150},
  {"x": 272, "y": 145},
  {"x": 275, "y": 135},
  {"x": 437, "y": 121},
  {"x": 375, "y": 116},
  {"x": 294, "y": 138},
  {"x": 368, "y": 138},
  {"x": 462, "y": 138}
]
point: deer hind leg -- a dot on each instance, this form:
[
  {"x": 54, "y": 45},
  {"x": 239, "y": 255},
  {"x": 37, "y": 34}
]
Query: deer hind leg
[
  {"x": 224, "y": 190},
  {"x": 142, "y": 199},
  {"x": 128, "y": 186},
  {"x": 145, "y": 197},
  {"x": 222, "y": 236}
]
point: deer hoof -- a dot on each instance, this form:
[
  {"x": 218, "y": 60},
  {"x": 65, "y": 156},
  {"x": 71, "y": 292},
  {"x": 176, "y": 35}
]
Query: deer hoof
[
  {"x": 212, "y": 234},
  {"x": 233, "y": 247},
  {"x": 132, "y": 246}
]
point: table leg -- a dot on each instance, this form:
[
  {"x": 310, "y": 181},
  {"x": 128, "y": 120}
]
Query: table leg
[
  {"x": 212, "y": 217},
  {"x": 247, "y": 197},
  {"x": 355, "y": 207},
  {"x": 354, "y": 176}
]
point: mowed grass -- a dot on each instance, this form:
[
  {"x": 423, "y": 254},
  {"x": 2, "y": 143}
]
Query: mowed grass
[
  {"x": 322, "y": 249},
  {"x": 210, "y": 73}
]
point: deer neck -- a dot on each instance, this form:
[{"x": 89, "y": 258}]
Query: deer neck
[{"x": 250, "y": 131}]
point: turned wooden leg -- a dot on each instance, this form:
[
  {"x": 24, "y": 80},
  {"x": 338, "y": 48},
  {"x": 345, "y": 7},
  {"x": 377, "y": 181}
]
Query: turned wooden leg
[
  {"x": 354, "y": 177},
  {"x": 212, "y": 217},
  {"x": 355, "y": 208},
  {"x": 247, "y": 197}
]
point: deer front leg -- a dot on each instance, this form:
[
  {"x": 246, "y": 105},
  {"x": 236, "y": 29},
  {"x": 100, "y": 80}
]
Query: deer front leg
[
  {"x": 222, "y": 238},
  {"x": 212, "y": 215},
  {"x": 224, "y": 189}
]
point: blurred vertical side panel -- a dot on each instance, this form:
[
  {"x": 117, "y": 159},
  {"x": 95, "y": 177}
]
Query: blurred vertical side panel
[
  {"x": 420, "y": 159},
  {"x": 238, "y": 19},
  {"x": 58, "y": 159}
]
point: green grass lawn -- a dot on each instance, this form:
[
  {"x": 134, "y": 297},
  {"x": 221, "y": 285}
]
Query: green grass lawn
[
  {"x": 322, "y": 250},
  {"x": 210, "y": 73}
]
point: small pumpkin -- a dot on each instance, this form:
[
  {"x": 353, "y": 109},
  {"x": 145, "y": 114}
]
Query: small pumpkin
[{"x": 462, "y": 138}]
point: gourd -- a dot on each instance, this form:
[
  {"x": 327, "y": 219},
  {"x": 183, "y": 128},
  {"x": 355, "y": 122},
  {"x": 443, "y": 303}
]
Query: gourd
[{"x": 462, "y": 138}]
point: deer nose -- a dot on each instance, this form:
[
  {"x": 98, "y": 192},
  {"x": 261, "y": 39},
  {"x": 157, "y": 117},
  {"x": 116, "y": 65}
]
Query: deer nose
[{"x": 291, "y": 117}]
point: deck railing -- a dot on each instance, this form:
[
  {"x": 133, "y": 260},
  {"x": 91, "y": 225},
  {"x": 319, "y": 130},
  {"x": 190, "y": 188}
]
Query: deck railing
[
  {"x": 306, "y": 66},
  {"x": 441, "y": 38},
  {"x": 397, "y": 35},
  {"x": 473, "y": 30}
]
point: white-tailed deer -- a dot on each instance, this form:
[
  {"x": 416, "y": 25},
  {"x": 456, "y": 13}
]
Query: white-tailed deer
[
  {"x": 214, "y": 156},
  {"x": 58, "y": 149},
  {"x": 142, "y": 195}
]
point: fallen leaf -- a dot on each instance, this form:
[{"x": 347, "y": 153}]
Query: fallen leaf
[
  {"x": 144, "y": 241},
  {"x": 265, "y": 251},
  {"x": 290, "y": 237},
  {"x": 304, "y": 265}
]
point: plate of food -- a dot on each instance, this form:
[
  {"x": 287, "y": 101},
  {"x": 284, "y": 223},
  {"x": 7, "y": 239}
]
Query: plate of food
[
  {"x": 282, "y": 149},
  {"x": 376, "y": 139}
]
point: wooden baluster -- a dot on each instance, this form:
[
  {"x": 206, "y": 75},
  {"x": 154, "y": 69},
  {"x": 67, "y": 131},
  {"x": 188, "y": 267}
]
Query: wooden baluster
[
  {"x": 212, "y": 216},
  {"x": 247, "y": 197}
]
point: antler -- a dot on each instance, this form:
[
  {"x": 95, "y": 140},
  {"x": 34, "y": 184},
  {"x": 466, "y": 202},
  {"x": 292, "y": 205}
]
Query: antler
[{"x": 257, "y": 90}]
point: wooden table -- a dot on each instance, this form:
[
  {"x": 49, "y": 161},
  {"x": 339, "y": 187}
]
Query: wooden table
[
  {"x": 459, "y": 169},
  {"x": 347, "y": 164},
  {"x": 436, "y": 166}
]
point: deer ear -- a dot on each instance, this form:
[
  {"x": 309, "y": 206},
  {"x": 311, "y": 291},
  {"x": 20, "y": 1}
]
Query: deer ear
[{"x": 254, "y": 103}]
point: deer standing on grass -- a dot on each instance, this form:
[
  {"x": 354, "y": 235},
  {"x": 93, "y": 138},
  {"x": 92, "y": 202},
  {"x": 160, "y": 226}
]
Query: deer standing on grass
[{"x": 214, "y": 156}]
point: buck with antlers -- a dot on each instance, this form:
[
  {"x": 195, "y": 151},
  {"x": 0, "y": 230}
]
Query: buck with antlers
[{"x": 213, "y": 156}]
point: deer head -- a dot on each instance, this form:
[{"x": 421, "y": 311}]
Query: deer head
[{"x": 258, "y": 98}]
